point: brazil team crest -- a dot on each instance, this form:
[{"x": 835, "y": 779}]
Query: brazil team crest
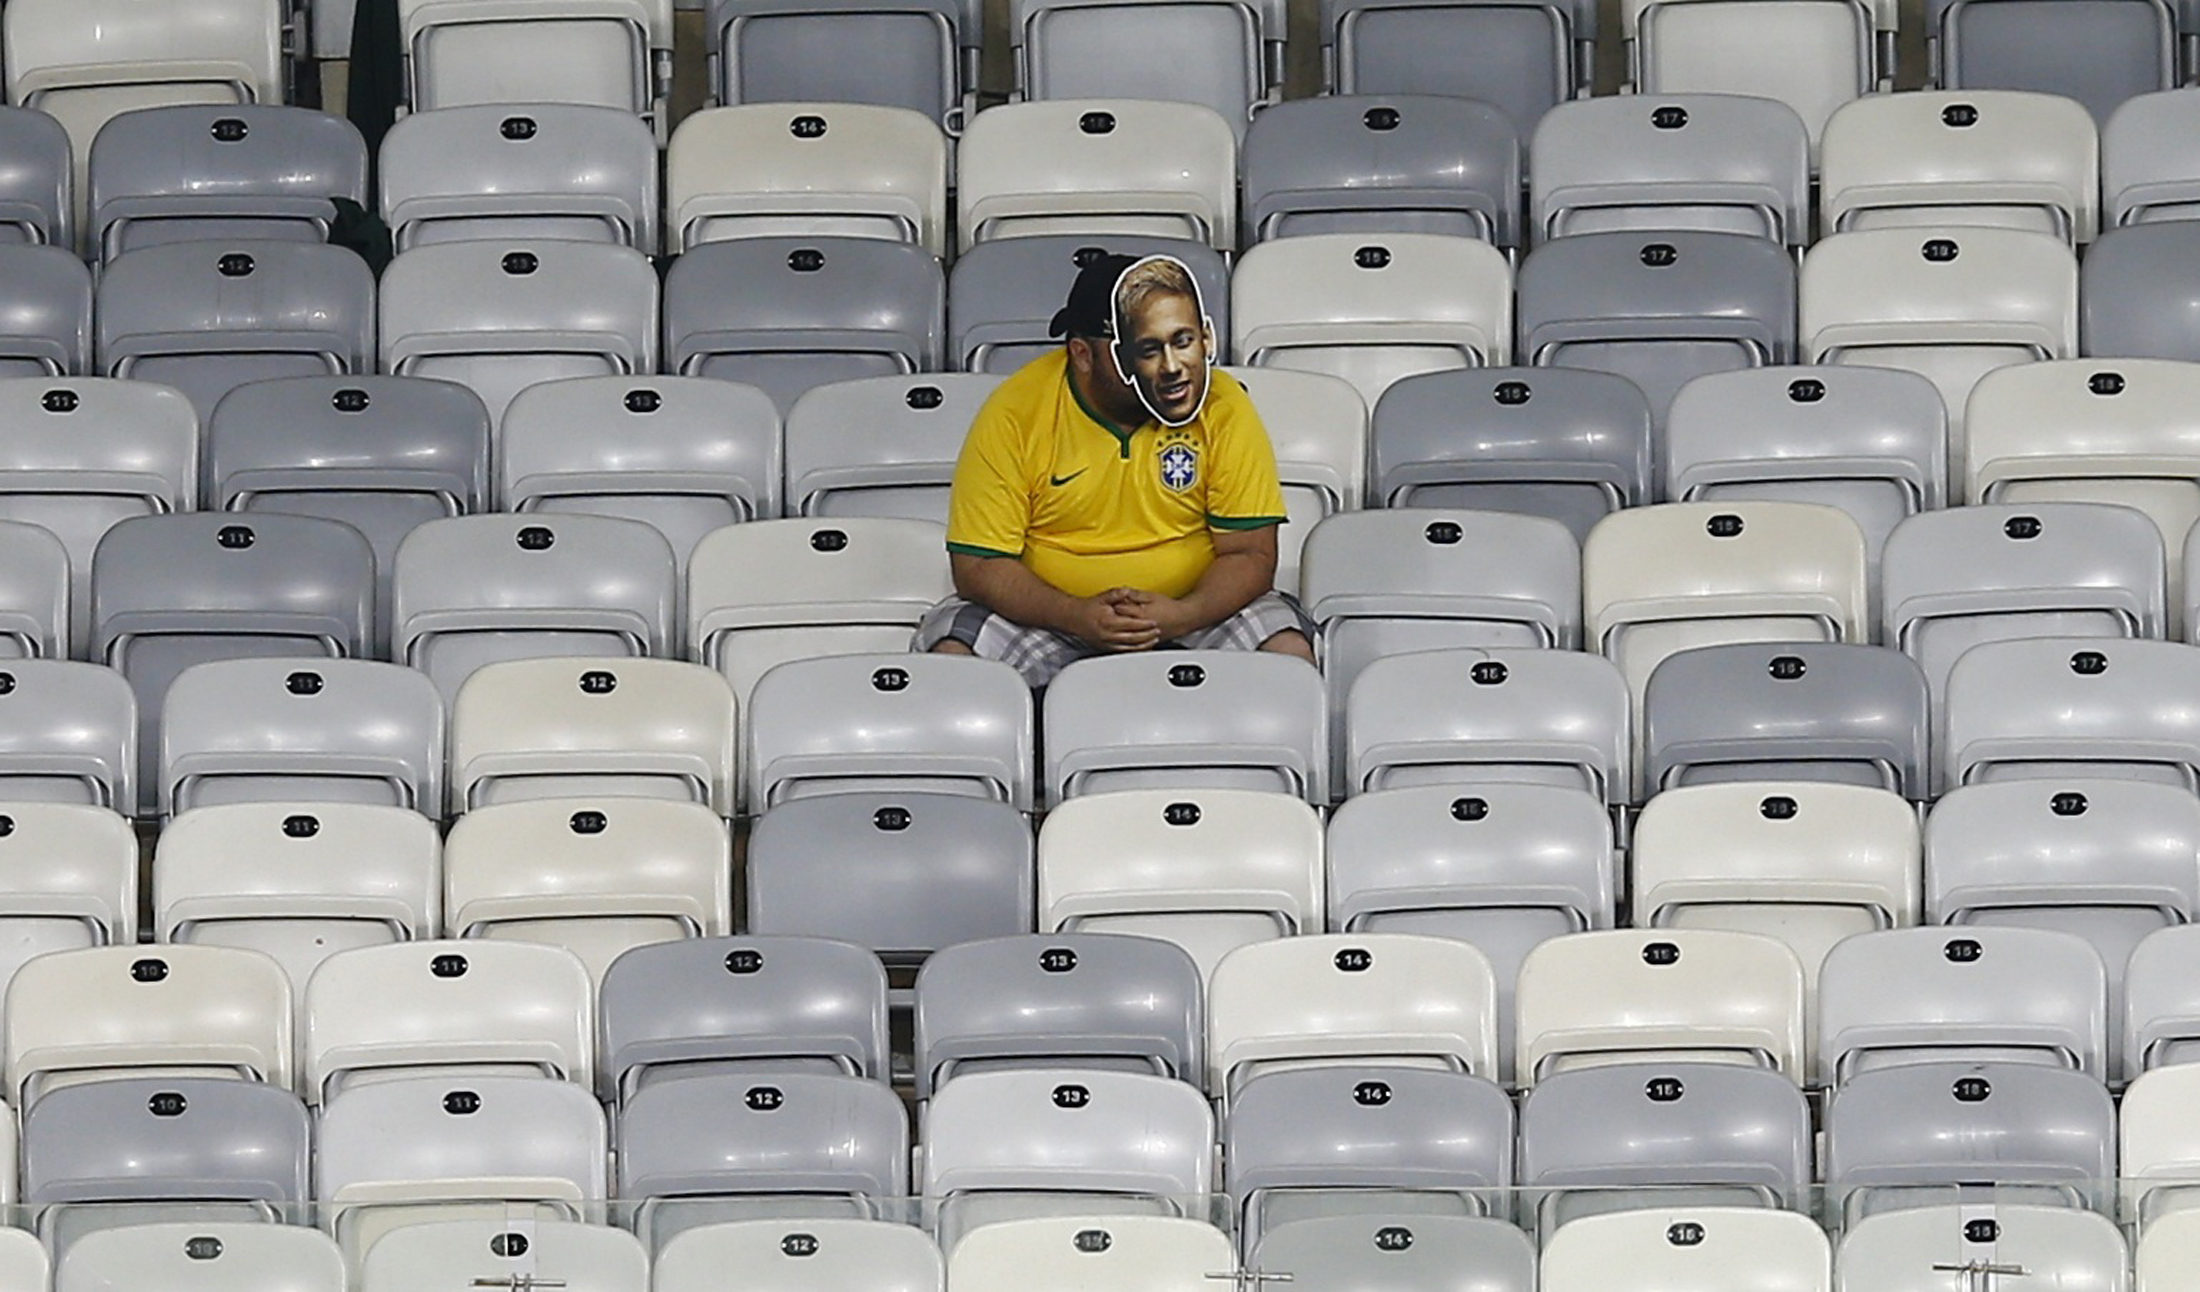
[{"x": 1179, "y": 467}]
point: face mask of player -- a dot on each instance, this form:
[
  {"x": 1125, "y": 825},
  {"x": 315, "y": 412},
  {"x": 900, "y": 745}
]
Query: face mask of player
[{"x": 1163, "y": 345}]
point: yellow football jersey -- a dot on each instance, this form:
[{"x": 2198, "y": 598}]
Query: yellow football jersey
[{"x": 1089, "y": 505}]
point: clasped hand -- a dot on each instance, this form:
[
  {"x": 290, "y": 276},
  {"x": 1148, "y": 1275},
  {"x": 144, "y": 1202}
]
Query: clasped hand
[{"x": 1131, "y": 619}]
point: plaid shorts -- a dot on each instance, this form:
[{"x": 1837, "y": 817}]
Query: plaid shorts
[{"x": 1040, "y": 653}]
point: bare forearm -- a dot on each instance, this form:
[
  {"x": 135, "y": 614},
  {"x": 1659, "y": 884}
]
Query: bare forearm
[{"x": 1228, "y": 586}]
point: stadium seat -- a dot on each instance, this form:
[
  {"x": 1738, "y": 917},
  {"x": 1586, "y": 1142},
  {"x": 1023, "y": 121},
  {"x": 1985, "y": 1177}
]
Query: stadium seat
[
  {"x": 1403, "y": 1253},
  {"x": 1569, "y": 444},
  {"x": 903, "y": 874},
  {"x": 1091, "y": 167},
  {"x": 475, "y": 590},
  {"x": 459, "y": 1254},
  {"x": 500, "y": 316},
  {"x": 46, "y": 293},
  {"x": 37, "y": 179},
  {"x": 318, "y": 730},
  {"x": 814, "y": 1255},
  {"x": 1222, "y": 719},
  {"x": 172, "y": 591},
  {"x": 2100, "y": 53},
  {"x": 727, "y": 1006},
  {"x": 112, "y": 1011},
  {"x": 1059, "y": 1001},
  {"x": 207, "y": 317},
  {"x": 1378, "y": 164},
  {"x": 298, "y": 882},
  {"x": 183, "y": 1256},
  {"x": 1716, "y": 163},
  {"x": 1003, "y": 294},
  {"x": 218, "y": 173},
  {"x": 444, "y": 1011},
  {"x": 916, "y": 54},
  {"x": 1898, "y": 997},
  {"x": 1317, "y": 425},
  {"x": 1665, "y": 995},
  {"x": 1708, "y": 1249},
  {"x": 1002, "y": 1145},
  {"x": 810, "y": 170},
  {"x": 1806, "y": 711},
  {"x": 595, "y": 876},
  {"x": 1813, "y": 55},
  {"x": 1657, "y": 308},
  {"x": 1209, "y": 870},
  {"x": 1372, "y": 309},
  {"x": 2161, "y": 1019},
  {"x": 1871, "y": 441},
  {"x": 1227, "y": 56},
  {"x": 1952, "y": 304},
  {"x": 1525, "y": 56},
  {"x": 2054, "y": 707},
  {"x": 2165, "y": 1252},
  {"x": 1972, "y": 157},
  {"x": 610, "y": 53},
  {"x": 71, "y": 880},
  {"x": 789, "y": 313},
  {"x": 881, "y": 446},
  {"x": 505, "y": 173},
  {"x": 1915, "y": 1250},
  {"x": 2148, "y": 169},
  {"x": 2158, "y": 1145},
  {"x": 2137, "y": 297},
  {"x": 1092, "y": 1253},
  {"x": 70, "y": 735},
  {"x": 556, "y": 728},
  {"x": 34, "y": 593},
  {"x": 1649, "y": 1135}
]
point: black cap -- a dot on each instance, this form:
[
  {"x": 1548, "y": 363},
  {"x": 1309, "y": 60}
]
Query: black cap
[{"x": 1090, "y": 310}]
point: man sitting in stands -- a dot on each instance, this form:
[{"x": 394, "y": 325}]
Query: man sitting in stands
[{"x": 1117, "y": 494}]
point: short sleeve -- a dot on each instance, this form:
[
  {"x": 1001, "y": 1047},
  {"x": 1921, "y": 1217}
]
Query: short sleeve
[
  {"x": 989, "y": 504},
  {"x": 1243, "y": 491}
]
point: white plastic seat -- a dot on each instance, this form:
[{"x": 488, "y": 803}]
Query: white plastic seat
[
  {"x": 1813, "y": 55},
  {"x": 877, "y": 1255},
  {"x": 1097, "y": 167},
  {"x": 503, "y": 173},
  {"x": 1350, "y": 998},
  {"x": 552, "y": 728},
  {"x": 2161, "y": 1019},
  {"x": 1372, "y": 309},
  {"x": 2159, "y": 1143},
  {"x": 1656, "y": 580},
  {"x": 1934, "y": 158},
  {"x": 1626, "y": 995},
  {"x": 814, "y": 169},
  {"x": 114, "y": 1010},
  {"x": 70, "y": 880},
  {"x": 1223, "y": 718},
  {"x": 449, "y": 1008},
  {"x": 1319, "y": 429},
  {"x": 2164, "y": 1256},
  {"x": 1092, "y": 1254},
  {"x": 198, "y": 1256},
  {"x": 1952, "y": 304},
  {"x": 34, "y": 593},
  {"x": 1209, "y": 870},
  {"x": 454, "y": 1254},
  {"x": 881, "y": 446},
  {"x": 2055, "y": 707},
  {"x": 1707, "y": 1249},
  {"x": 70, "y": 734},
  {"x": 610, "y": 53},
  {"x": 1713, "y": 162},
  {"x": 596, "y": 876},
  {"x": 1919, "y": 1249}
]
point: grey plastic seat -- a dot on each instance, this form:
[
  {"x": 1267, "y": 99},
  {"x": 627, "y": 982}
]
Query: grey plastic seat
[
  {"x": 755, "y": 1003},
  {"x": 69, "y": 734},
  {"x": 2099, "y": 52},
  {"x": 1525, "y": 56},
  {"x": 1224, "y": 56},
  {"x": 1369, "y": 1141},
  {"x": 46, "y": 305},
  {"x": 1058, "y": 1001},
  {"x": 172, "y": 591},
  {"x": 143, "y": 1150},
  {"x": 501, "y": 316},
  {"x": 915, "y": 54},
  {"x": 475, "y": 589},
  {"x": 739, "y": 1146},
  {"x": 2110, "y": 861},
  {"x": 1987, "y": 993},
  {"x": 1498, "y": 865},
  {"x": 2138, "y": 296},
  {"x": 903, "y": 874},
  {"x": 1014, "y": 1144},
  {"x": 1382, "y": 164},
  {"x": 881, "y": 446},
  {"x": 899, "y": 723},
  {"x": 83, "y": 453},
  {"x": 2053, "y": 707},
  {"x": 2149, "y": 170},
  {"x": 787, "y": 314},
  {"x": 36, "y": 203},
  {"x": 34, "y": 593},
  {"x": 1208, "y": 718},
  {"x": 1657, "y": 308},
  {"x": 1819, "y": 711},
  {"x": 319, "y": 730},
  {"x": 1913, "y": 1250},
  {"x": 1871, "y": 441},
  {"x": 381, "y": 454},
  {"x": 505, "y": 173},
  {"x": 575, "y": 1255},
  {"x": 1934, "y": 1133},
  {"x": 2161, "y": 1018},
  {"x": 1399, "y": 1254},
  {"x": 616, "y": 56},
  {"x": 223, "y": 1256},
  {"x": 683, "y": 454},
  {"x": 207, "y": 317},
  {"x": 1995, "y": 571},
  {"x": 1639, "y": 1135},
  {"x": 1570, "y": 444},
  {"x": 1542, "y": 717},
  {"x": 217, "y": 173},
  {"x": 1719, "y": 163},
  {"x": 1003, "y": 293}
]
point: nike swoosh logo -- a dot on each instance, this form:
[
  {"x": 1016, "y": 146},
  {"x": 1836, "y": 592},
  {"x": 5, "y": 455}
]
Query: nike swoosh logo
[{"x": 1059, "y": 481}]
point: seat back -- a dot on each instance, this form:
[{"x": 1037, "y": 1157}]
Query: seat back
[
  {"x": 48, "y": 299},
  {"x": 1221, "y": 718},
  {"x": 150, "y": 1140},
  {"x": 37, "y": 194},
  {"x": 614, "y": 55},
  {"x": 214, "y": 173},
  {"x": 2116, "y": 49},
  {"x": 498, "y": 173},
  {"x": 916, "y": 54},
  {"x": 1904, "y": 1251},
  {"x": 839, "y": 1252},
  {"x": 2146, "y": 144},
  {"x": 2052, "y": 707},
  {"x": 1525, "y": 57},
  {"x": 243, "y": 1256},
  {"x": 1720, "y": 163},
  {"x": 1383, "y": 164},
  {"x": 1827, "y": 54},
  {"x": 2161, "y": 1017},
  {"x": 34, "y": 593},
  {"x": 881, "y": 446},
  {"x": 1999, "y": 158},
  {"x": 1734, "y": 1249},
  {"x": 1816, "y": 711},
  {"x": 2157, "y": 1142},
  {"x": 70, "y": 735},
  {"x": 1317, "y": 425},
  {"x": 1002, "y": 294},
  {"x": 820, "y": 170},
  {"x": 582, "y": 1257},
  {"x": 1438, "y": 1253},
  {"x": 1089, "y": 166},
  {"x": 1068, "y": 1253},
  {"x": 1227, "y": 57}
]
